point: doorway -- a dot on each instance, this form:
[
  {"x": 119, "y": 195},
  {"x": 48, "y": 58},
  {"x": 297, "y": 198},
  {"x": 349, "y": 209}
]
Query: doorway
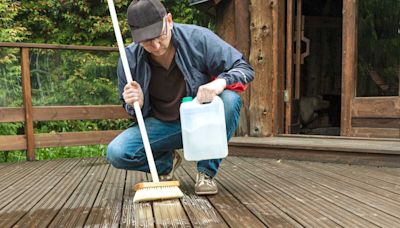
[{"x": 313, "y": 67}]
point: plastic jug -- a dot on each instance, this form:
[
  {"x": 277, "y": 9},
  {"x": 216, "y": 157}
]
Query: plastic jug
[{"x": 203, "y": 129}]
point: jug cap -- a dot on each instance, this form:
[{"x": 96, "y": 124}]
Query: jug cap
[{"x": 187, "y": 99}]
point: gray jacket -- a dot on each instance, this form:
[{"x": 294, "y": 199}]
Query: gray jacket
[{"x": 200, "y": 54}]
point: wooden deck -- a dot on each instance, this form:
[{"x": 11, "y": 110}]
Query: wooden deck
[{"x": 254, "y": 192}]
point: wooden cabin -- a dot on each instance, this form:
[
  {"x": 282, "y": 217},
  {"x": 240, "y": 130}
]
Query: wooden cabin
[
  {"x": 308, "y": 52},
  {"x": 324, "y": 74}
]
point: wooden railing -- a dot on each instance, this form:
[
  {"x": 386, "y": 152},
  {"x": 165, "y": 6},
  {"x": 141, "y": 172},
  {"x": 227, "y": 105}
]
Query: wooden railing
[{"x": 28, "y": 113}]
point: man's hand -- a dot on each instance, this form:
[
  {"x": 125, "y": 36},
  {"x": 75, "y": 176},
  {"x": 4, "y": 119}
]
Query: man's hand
[
  {"x": 133, "y": 92},
  {"x": 207, "y": 92}
]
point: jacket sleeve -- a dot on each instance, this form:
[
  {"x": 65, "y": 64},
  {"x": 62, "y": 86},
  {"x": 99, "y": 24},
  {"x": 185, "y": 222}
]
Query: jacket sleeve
[
  {"x": 225, "y": 61},
  {"x": 121, "y": 84}
]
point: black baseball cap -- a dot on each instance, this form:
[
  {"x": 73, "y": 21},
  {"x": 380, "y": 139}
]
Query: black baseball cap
[{"x": 145, "y": 19}]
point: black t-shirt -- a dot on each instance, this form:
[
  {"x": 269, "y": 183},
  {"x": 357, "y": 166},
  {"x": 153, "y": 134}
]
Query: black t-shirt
[{"x": 167, "y": 88}]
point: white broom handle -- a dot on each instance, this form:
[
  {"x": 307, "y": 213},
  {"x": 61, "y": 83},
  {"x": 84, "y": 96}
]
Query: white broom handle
[{"x": 139, "y": 116}]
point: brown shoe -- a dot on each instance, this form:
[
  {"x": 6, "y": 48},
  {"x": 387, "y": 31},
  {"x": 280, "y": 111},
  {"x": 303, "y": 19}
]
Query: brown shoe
[
  {"x": 205, "y": 185},
  {"x": 175, "y": 164}
]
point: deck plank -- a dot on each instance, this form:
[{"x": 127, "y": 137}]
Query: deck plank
[
  {"x": 370, "y": 176},
  {"x": 326, "y": 192},
  {"x": 198, "y": 208},
  {"x": 390, "y": 175},
  {"x": 78, "y": 206},
  {"x": 301, "y": 191},
  {"x": 391, "y": 171},
  {"x": 169, "y": 213},
  {"x": 306, "y": 216},
  {"x": 34, "y": 193},
  {"x": 232, "y": 210},
  {"x": 252, "y": 193},
  {"x": 5, "y": 164},
  {"x": 370, "y": 195},
  {"x": 22, "y": 181},
  {"x": 135, "y": 214},
  {"x": 12, "y": 175},
  {"x": 47, "y": 208},
  {"x": 106, "y": 210},
  {"x": 266, "y": 211}
]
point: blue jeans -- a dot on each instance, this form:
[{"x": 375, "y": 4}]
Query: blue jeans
[{"x": 126, "y": 151}]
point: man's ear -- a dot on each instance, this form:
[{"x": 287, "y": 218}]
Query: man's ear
[{"x": 169, "y": 19}]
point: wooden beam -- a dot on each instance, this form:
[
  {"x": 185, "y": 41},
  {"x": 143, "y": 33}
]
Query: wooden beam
[
  {"x": 228, "y": 26},
  {"x": 278, "y": 18},
  {"x": 289, "y": 66},
  {"x": 18, "y": 142},
  {"x": 75, "y": 138},
  {"x": 242, "y": 27},
  {"x": 299, "y": 23},
  {"x": 376, "y": 132},
  {"x": 349, "y": 63},
  {"x": 398, "y": 75},
  {"x": 320, "y": 148},
  {"x": 387, "y": 160},
  {"x": 12, "y": 142},
  {"x": 225, "y": 25},
  {"x": 325, "y": 137},
  {"x": 375, "y": 122},
  {"x": 323, "y": 143},
  {"x": 58, "y": 46},
  {"x": 12, "y": 115},
  {"x": 27, "y": 99},
  {"x": 261, "y": 59},
  {"x": 79, "y": 112},
  {"x": 242, "y": 36},
  {"x": 48, "y": 113},
  {"x": 376, "y": 107}
]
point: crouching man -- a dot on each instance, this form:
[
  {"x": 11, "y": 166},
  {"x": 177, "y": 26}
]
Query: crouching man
[{"x": 170, "y": 61}]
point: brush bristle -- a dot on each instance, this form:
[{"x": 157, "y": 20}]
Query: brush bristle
[{"x": 157, "y": 193}]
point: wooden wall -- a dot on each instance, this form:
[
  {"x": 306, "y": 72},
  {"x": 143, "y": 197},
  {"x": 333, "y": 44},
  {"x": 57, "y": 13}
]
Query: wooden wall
[
  {"x": 227, "y": 27},
  {"x": 249, "y": 26}
]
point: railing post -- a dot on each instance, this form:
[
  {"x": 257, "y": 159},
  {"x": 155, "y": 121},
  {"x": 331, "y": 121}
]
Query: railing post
[{"x": 27, "y": 98}]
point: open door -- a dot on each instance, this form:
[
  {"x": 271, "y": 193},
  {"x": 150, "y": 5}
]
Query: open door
[
  {"x": 298, "y": 49},
  {"x": 293, "y": 46},
  {"x": 313, "y": 67}
]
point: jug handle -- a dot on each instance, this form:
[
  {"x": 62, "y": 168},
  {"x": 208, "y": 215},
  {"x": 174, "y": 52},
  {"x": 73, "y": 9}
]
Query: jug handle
[{"x": 197, "y": 102}]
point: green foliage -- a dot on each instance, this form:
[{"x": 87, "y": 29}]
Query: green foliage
[
  {"x": 11, "y": 30},
  {"x": 10, "y": 128},
  {"x": 53, "y": 153},
  {"x": 78, "y": 125},
  {"x": 10, "y": 81},
  {"x": 60, "y": 77},
  {"x": 73, "y": 78},
  {"x": 88, "y": 22},
  {"x": 72, "y": 22},
  {"x": 183, "y": 13},
  {"x": 71, "y": 152}
]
